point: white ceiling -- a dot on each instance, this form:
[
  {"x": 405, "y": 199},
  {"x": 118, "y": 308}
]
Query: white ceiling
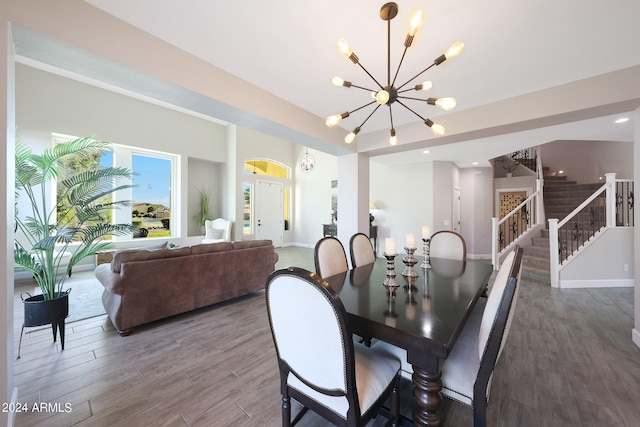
[{"x": 512, "y": 48}]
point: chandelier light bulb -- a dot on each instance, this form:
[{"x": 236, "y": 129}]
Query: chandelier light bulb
[
  {"x": 455, "y": 50},
  {"x": 382, "y": 97},
  {"x": 416, "y": 20},
  {"x": 333, "y": 120},
  {"x": 447, "y": 104},
  {"x": 424, "y": 86},
  {"x": 393, "y": 139},
  {"x": 339, "y": 81},
  {"x": 344, "y": 48},
  {"x": 437, "y": 129},
  {"x": 351, "y": 136}
]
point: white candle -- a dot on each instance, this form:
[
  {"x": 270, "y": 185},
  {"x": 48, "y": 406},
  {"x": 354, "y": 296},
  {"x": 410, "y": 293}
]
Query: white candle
[
  {"x": 426, "y": 232},
  {"x": 389, "y": 246},
  {"x": 410, "y": 241}
]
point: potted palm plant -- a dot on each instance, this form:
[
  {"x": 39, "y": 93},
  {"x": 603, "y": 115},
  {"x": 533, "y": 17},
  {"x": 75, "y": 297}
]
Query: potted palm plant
[
  {"x": 54, "y": 236},
  {"x": 204, "y": 213}
]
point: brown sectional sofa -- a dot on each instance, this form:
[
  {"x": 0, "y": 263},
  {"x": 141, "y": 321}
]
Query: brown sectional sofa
[{"x": 144, "y": 285}]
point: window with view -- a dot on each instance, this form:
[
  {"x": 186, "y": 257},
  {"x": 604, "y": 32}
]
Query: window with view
[{"x": 151, "y": 210}]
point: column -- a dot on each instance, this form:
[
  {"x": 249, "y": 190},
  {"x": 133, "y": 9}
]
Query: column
[{"x": 353, "y": 197}]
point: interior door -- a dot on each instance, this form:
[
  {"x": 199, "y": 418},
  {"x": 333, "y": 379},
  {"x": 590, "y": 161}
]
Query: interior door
[{"x": 269, "y": 212}]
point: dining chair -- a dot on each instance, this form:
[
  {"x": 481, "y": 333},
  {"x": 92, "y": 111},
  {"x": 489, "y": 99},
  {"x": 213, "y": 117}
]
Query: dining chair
[
  {"x": 329, "y": 257},
  {"x": 361, "y": 250},
  {"x": 320, "y": 366},
  {"x": 447, "y": 244},
  {"x": 467, "y": 371}
]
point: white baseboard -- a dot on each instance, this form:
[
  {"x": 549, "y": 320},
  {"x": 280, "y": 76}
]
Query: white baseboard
[
  {"x": 635, "y": 336},
  {"x": 478, "y": 256},
  {"x": 300, "y": 245},
  {"x": 604, "y": 283}
]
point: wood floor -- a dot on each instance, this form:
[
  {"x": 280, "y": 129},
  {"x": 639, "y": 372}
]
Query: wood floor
[{"x": 569, "y": 361}]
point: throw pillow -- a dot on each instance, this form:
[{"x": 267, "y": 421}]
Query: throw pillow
[{"x": 214, "y": 233}]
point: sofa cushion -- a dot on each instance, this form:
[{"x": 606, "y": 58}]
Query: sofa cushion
[
  {"x": 128, "y": 255},
  {"x": 211, "y": 247},
  {"x": 244, "y": 244}
]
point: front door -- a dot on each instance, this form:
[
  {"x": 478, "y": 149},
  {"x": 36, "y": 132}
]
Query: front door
[{"x": 269, "y": 212}]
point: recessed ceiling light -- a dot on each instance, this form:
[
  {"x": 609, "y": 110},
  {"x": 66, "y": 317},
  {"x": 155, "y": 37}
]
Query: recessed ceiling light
[
  {"x": 622, "y": 120},
  {"x": 426, "y": 151},
  {"x": 474, "y": 163}
]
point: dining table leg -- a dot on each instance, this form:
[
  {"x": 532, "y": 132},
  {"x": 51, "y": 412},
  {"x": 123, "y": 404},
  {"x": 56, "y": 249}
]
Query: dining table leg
[{"x": 426, "y": 393}]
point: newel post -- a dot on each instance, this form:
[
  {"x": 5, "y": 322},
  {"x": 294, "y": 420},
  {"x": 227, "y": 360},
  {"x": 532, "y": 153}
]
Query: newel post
[
  {"x": 611, "y": 199},
  {"x": 494, "y": 243},
  {"x": 554, "y": 265}
]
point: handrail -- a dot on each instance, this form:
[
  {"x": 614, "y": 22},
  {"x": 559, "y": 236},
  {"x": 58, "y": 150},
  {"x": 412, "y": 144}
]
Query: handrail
[
  {"x": 583, "y": 205},
  {"x": 614, "y": 203}
]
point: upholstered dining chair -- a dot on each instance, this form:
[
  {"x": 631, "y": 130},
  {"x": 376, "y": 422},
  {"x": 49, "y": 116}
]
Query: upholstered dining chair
[
  {"x": 320, "y": 365},
  {"x": 329, "y": 257},
  {"x": 447, "y": 244},
  {"x": 467, "y": 371},
  {"x": 361, "y": 250}
]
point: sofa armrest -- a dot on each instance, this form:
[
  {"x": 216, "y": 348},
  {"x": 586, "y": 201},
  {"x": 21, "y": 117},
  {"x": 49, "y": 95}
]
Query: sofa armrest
[{"x": 112, "y": 282}]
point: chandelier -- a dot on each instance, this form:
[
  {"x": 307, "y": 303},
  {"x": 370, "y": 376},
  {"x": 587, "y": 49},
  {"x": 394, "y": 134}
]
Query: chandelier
[
  {"x": 390, "y": 94},
  {"x": 307, "y": 162}
]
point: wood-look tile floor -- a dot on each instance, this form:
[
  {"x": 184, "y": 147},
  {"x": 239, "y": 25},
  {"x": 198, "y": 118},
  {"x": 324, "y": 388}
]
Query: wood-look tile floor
[{"x": 569, "y": 361}]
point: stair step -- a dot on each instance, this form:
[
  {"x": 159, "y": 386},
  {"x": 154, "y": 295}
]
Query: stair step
[
  {"x": 536, "y": 262},
  {"x": 540, "y": 242},
  {"x": 538, "y": 275}
]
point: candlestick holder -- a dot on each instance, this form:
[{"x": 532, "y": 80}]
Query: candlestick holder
[
  {"x": 409, "y": 261},
  {"x": 426, "y": 264},
  {"x": 390, "y": 282}
]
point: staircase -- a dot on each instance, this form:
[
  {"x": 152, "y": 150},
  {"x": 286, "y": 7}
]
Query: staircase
[{"x": 561, "y": 196}]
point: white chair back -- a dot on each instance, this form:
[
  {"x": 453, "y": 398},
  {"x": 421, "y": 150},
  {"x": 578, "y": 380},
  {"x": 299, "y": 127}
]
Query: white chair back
[
  {"x": 361, "y": 250},
  {"x": 330, "y": 257},
  {"x": 447, "y": 244},
  {"x": 308, "y": 334},
  {"x": 218, "y": 230},
  {"x": 493, "y": 301}
]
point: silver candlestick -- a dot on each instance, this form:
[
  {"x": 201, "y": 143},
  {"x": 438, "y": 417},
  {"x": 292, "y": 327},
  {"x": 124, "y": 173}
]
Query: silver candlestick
[
  {"x": 390, "y": 282},
  {"x": 425, "y": 264},
  {"x": 409, "y": 261}
]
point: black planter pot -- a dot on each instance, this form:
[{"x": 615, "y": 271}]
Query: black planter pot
[{"x": 38, "y": 312}]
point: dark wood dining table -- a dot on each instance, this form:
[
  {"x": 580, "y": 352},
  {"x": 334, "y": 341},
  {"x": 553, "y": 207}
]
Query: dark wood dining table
[{"x": 424, "y": 316}]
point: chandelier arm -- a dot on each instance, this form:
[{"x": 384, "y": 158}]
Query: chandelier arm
[
  {"x": 365, "y": 105},
  {"x": 413, "y": 98},
  {"x": 416, "y": 76},
  {"x": 363, "y": 88},
  {"x": 391, "y": 117},
  {"x": 399, "y": 65},
  {"x": 399, "y": 102},
  {"x": 369, "y": 74},
  {"x": 369, "y": 116}
]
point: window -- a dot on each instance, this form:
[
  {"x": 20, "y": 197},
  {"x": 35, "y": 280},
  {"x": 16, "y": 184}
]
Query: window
[
  {"x": 151, "y": 208},
  {"x": 152, "y": 199},
  {"x": 266, "y": 168},
  {"x": 246, "y": 216}
]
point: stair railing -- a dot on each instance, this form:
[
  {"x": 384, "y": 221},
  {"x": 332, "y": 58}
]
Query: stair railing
[
  {"x": 505, "y": 232},
  {"x": 609, "y": 206}
]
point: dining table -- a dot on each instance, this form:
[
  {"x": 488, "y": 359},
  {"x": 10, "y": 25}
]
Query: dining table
[{"x": 424, "y": 314}]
